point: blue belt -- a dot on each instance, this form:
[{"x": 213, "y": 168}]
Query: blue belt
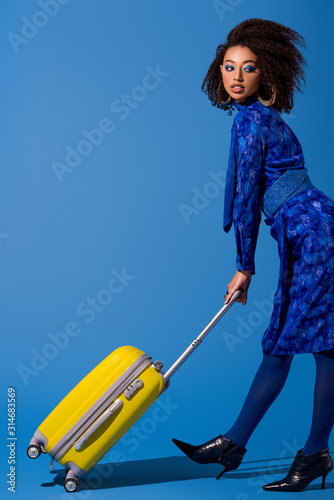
[{"x": 288, "y": 185}]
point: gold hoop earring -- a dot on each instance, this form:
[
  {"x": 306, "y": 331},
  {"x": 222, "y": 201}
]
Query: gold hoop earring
[
  {"x": 219, "y": 97},
  {"x": 272, "y": 99}
]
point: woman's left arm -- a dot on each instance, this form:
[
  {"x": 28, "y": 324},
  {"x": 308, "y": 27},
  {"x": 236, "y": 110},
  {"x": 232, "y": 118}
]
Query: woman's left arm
[{"x": 246, "y": 206}]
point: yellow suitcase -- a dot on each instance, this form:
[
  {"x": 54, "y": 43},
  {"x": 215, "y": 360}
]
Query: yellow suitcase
[{"x": 104, "y": 405}]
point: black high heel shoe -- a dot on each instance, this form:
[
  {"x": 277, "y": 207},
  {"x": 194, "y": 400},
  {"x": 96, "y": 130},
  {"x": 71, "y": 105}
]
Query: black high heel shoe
[
  {"x": 218, "y": 450},
  {"x": 304, "y": 469}
]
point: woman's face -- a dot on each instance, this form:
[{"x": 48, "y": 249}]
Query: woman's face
[{"x": 241, "y": 73}]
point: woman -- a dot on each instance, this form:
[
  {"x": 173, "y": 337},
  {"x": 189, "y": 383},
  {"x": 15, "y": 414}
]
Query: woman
[{"x": 258, "y": 70}]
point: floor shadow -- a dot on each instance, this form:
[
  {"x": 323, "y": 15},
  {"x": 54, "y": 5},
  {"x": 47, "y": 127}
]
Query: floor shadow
[
  {"x": 162, "y": 470},
  {"x": 170, "y": 469},
  {"x": 329, "y": 486}
]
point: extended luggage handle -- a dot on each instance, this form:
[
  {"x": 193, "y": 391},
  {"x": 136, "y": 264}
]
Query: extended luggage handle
[{"x": 200, "y": 337}]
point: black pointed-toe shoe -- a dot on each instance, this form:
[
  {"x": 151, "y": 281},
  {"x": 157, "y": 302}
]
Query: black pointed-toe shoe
[
  {"x": 304, "y": 470},
  {"x": 218, "y": 450}
]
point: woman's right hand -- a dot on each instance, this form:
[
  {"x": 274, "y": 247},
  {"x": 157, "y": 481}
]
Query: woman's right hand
[{"x": 240, "y": 281}]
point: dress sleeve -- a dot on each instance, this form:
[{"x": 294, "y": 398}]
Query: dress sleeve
[{"x": 246, "y": 206}]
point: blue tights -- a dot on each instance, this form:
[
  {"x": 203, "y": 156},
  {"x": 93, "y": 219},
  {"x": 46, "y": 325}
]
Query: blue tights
[{"x": 266, "y": 386}]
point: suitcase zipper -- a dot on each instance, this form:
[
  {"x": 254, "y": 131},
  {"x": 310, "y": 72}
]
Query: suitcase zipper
[{"x": 99, "y": 406}]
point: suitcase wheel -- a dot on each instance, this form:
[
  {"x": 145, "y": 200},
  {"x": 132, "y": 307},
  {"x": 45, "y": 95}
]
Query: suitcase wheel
[
  {"x": 71, "y": 485},
  {"x": 34, "y": 451}
]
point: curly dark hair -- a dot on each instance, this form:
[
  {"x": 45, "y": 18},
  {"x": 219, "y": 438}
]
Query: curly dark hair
[{"x": 279, "y": 59}]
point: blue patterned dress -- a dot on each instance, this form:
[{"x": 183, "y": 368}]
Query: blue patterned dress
[{"x": 263, "y": 147}]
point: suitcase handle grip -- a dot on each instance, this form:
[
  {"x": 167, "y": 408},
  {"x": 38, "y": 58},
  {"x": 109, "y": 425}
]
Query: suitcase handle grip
[
  {"x": 196, "y": 342},
  {"x": 97, "y": 424}
]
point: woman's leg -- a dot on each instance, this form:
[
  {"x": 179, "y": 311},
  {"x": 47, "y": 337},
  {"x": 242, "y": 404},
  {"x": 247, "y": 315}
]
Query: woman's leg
[
  {"x": 314, "y": 459},
  {"x": 323, "y": 409},
  {"x": 229, "y": 449},
  {"x": 266, "y": 386}
]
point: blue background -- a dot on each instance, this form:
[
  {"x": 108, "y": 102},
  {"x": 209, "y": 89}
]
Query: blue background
[{"x": 119, "y": 210}]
